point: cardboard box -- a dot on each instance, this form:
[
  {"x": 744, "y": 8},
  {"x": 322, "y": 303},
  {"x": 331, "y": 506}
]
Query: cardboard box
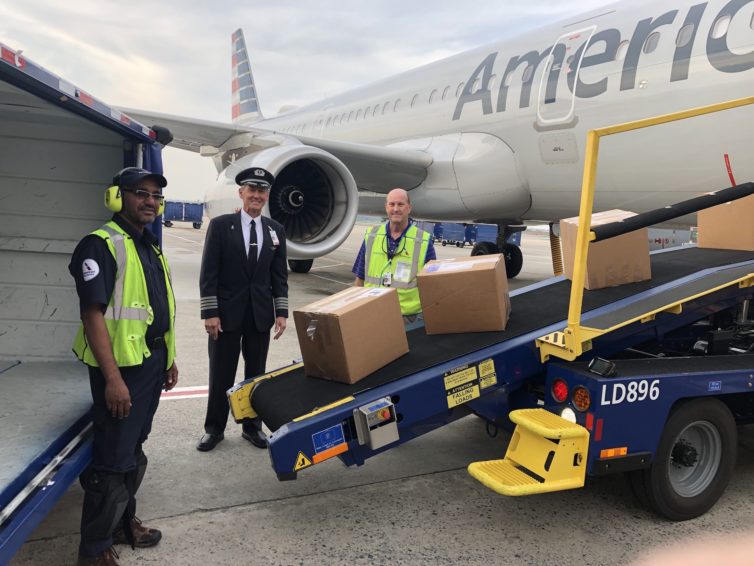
[
  {"x": 468, "y": 294},
  {"x": 351, "y": 334},
  {"x": 727, "y": 226},
  {"x": 617, "y": 261}
]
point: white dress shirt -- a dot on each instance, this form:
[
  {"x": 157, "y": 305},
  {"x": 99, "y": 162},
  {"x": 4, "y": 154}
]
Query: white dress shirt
[{"x": 246, "y": 228}]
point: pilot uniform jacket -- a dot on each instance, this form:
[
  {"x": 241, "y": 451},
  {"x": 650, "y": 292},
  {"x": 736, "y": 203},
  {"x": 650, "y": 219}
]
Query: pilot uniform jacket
[{"x": 226, "y": 286}]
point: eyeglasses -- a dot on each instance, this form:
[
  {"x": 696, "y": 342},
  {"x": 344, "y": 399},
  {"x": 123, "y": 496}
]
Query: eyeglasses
[{"x": 141, "y": 194}]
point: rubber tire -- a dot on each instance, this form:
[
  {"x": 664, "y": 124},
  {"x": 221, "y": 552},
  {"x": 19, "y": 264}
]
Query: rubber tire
[
  {"x": 459, "y": 244},
  {"x": 300, "y": 265},
  {"x": 514, "y": 260},
  {"x": 444, "y": 243},
  {"x": 652, "y": 485},
  {"x": 484, "y": 248},
  {"x": 168, "y": 224},
  {"x": 197, "y": 225}
]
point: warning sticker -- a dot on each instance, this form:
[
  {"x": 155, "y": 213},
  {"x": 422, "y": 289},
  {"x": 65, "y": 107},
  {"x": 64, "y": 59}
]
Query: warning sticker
[
  {"x": 461, "y": 385},
  {"x": 487, "y": 375},
  {"x": 301, "y": 462}
]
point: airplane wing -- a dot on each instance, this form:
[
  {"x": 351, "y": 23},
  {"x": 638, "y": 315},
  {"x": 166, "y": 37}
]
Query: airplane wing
[{"x": 375, "y": 168}]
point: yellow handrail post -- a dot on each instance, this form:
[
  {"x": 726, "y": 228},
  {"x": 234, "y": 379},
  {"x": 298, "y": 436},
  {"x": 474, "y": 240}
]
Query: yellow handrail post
[{"x": 573, "y": 335}]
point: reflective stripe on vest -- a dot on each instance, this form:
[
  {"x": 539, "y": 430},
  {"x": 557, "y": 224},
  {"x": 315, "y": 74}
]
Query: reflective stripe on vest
[
  {"x": 376, "y": 264},
  {"x": 128, "y": 313}
]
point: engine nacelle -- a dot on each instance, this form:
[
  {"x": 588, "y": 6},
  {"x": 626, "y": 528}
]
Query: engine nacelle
[{"x": 314, "y": 196}]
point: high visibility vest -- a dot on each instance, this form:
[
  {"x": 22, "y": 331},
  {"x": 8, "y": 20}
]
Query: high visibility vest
[
  {"x": 400, "y": 271},
  {"x": 128, "y": 313}
]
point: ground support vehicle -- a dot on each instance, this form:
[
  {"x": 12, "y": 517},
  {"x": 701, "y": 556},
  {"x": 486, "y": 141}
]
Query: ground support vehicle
[
  {"x": 183, "y": 211},
  {"x": 579, "y": 402},
  {"x": 60, "y": 148}
]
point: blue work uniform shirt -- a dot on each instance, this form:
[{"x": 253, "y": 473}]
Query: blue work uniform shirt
[{"x": 393, "y": 245}]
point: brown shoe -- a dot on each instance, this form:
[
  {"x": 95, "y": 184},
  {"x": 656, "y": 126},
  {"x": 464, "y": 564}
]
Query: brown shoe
[
  {"x": 144, "y": 537},
  {"x": 106, "y": 558}
]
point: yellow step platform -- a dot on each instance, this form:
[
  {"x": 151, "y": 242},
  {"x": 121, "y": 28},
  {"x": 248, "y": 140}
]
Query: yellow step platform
[{"x": 546, "y": 453}]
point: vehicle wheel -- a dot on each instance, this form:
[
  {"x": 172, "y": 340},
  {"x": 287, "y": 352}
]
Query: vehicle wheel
[
  {"x": 514, "y": 260},
  {"x": 484, "y": 248},
  {"x": 693, "y": 463},
  {"x": 459, "y": 244},
  {"x": 168, "y": 223},
  {"x": 300, "y": 265},
  {"x": 197, "y": 225},
  {"x": 444, "y": 243}
]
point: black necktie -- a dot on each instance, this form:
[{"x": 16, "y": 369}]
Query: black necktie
[{"x": 252, "y": 259}]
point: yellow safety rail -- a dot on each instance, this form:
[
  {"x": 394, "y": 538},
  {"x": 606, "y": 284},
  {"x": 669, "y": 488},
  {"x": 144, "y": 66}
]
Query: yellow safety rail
[{"x": 575, "y": 338}]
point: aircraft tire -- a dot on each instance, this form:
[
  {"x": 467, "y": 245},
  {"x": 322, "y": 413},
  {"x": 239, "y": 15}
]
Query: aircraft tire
[
  {"x": 514, "y": 260},
  {"x": 484, "y": 248},
  {"x": 300, "y": 265}
]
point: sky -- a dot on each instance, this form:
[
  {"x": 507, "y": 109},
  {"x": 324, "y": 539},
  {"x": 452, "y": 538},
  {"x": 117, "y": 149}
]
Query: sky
[{"x": 173, "y": 56}]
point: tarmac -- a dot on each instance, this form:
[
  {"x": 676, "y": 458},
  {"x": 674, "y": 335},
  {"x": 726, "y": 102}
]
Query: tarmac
[{"x": 414, "y": 504}]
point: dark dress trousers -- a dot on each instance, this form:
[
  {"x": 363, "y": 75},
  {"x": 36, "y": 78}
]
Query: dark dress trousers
[{"x": 247, "y": 299}]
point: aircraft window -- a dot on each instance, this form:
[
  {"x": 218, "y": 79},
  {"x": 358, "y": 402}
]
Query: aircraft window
[
  {"x": 720, "y": 27},
  {"x": 475, "y": 85},
  {"x": 414, "y": 99},
  {"x": 445, "y": 92},
  {"x": 358, "y": 114},
  {"x": 528, "y": 73},
  {"x": 651, "y": 43},
  {"x": 620, "y": 53},
  {"x": 396, "y": 105},
  {"x": 491, "y": 84},
  {"x": 684, "y": 35},
  {"x": 432, "y": 96},
  {"x": 459, "y": 90},
  {"x": 376, "y": 109},
  {"x": 385, "y": 107}
]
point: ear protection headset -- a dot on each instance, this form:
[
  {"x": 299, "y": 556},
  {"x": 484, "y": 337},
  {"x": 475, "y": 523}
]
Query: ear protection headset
[{"x": 114, "y": 196}]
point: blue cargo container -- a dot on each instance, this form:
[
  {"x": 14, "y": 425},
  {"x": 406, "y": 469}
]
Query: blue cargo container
[{"x": 181, "y": 211}]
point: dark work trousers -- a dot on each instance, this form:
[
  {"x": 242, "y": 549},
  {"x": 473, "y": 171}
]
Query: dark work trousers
[
  {"x": 111, "y": 481},
  {"x": 223, "y": 362}
]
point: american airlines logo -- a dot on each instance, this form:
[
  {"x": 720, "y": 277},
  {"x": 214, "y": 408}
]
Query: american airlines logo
[{"x": 602, "y": 48}]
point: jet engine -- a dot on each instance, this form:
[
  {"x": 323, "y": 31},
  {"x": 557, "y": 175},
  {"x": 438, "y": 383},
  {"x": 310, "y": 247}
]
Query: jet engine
[{"x": 314, "y": 196}]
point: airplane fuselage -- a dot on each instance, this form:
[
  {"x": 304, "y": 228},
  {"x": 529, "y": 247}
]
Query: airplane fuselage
[{"x": 528, "y": 102}]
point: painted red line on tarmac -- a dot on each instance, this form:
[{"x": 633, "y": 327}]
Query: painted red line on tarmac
[{"x": 185, "y": 392}]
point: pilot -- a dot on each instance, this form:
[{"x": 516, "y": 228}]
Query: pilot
[
  {"x": 127, "y": 341},
  {"x": 393, "y": 253},
  {"x": 243, "y": 284}
]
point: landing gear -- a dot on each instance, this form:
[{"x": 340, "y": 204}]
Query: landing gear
[
  {"x": 514, "y": 259},
  {"x": 300, "y": 265}
]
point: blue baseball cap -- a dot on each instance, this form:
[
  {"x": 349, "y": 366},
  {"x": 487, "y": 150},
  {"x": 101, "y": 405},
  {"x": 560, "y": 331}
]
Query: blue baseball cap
[{"x": 129, "y": 176}]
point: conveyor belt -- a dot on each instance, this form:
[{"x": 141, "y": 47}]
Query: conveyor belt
[{"x": 281, "y": 399}]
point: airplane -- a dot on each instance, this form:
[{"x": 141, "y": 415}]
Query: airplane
[{"x": 496, "y": 134}]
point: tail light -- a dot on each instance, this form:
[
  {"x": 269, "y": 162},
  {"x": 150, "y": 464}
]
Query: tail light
[
  {"x": 581, "y": 398},
  {"x": 559, "y": 390}
]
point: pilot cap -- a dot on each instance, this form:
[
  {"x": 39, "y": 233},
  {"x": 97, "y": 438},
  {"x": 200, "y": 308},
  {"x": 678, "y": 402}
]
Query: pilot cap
[
  {"x": 130, "y": 176},
  {"x": 256, "y": 177}
]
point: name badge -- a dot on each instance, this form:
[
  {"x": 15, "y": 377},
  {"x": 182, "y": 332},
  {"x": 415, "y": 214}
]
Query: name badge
[
  {"x": 274, "y": 237},
  {"x": 387, "y": 279}
]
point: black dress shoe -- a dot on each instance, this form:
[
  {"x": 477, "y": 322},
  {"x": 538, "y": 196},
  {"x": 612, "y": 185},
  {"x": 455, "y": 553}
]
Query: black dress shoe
[
  {"x": 209, "y": 441},
  {"x": 256, "y": 437}
]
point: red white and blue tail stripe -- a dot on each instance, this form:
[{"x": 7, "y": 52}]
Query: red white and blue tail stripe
[{"x": 245, "y": 104}]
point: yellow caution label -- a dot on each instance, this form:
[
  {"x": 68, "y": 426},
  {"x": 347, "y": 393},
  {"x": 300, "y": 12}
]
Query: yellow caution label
[
  {"x": 301, "y": 462},
  {"x": 487, "y": 374},
  {"x": 461, "y": 385}
]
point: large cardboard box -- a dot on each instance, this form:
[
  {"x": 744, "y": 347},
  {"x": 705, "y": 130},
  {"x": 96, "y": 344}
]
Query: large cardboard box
[
  {"x": 351, "y": 334},
  {"x": 468, "y": 294},
  {"x": 617, "y": 261},
  {"x": 727, "y": 226}
]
